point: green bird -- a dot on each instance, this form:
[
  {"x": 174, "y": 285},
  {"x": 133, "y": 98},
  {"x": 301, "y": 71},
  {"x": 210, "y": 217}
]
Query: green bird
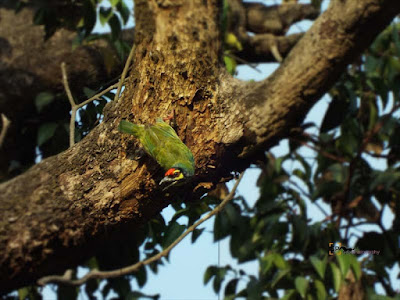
[{"x": 162, "y": 143}]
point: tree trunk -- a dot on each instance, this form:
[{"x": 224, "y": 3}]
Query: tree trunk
[{"x": 96, "y": 191}]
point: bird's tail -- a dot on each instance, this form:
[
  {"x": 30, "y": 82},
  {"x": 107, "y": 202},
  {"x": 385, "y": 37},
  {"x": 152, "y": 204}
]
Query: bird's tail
[{"x": 128, "y": 127}]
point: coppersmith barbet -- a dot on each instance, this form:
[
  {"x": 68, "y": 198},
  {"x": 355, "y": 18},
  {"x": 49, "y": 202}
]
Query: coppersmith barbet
[{"x": 162, "y": 143}]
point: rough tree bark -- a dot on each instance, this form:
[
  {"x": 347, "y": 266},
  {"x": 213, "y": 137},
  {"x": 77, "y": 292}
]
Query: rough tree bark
[
  {"x": 95, "y": 191},
  {"x": 30, "y": 64}
]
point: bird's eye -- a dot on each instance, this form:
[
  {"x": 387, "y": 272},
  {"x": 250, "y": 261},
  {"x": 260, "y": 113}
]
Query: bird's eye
[{"x": 176, "y": 174}]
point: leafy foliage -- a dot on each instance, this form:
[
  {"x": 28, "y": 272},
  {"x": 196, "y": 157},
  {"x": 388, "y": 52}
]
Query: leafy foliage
[
  {"x": 82, "y": 15},
  {"x": 354, "y": 170}
]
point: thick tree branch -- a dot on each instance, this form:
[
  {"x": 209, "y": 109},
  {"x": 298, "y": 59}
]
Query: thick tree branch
[
  {"x": 259, "y": 48},
  {"x": 276, "y": 19},
  {"x": 72, "y": 202},
  {"x": 65, "y": 279},
  {"x": 270, "y": 24},
  {"x": 335, "y": 39}
]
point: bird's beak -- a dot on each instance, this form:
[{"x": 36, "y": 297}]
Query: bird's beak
[
  {"x": 169, "y": 185},
  {"x": 166, "y": 179}
]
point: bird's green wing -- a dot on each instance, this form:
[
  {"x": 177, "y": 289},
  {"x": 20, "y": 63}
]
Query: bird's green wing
[
  {"x": 163, "y": 128},
  {"x": 174, "y": 153},
  {"x": 151, "y": 141}
]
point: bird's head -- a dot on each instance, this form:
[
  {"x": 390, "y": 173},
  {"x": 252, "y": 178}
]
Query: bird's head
[{"x": 173, "y": 176}]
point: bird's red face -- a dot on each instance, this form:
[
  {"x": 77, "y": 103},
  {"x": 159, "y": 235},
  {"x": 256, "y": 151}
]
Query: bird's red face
[{"x": 172, "y": 175}]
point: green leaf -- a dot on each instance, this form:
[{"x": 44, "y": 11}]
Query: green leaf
[
  {"x": 122, "y": 49},
  {"x": 105, "y": 14},
  {"x": 106, "y": 290},
  {"x": 230, "y": 288},
  {"x": 289, "y": 294},
  {"x": 254, "y": 289},
  {"x": 222, "y": 227},
  {"x": 385, "y": 178},
  {"x": 347, "y": 142},
  {"x": 46, "y": 132},
  {"x": 300, "y": 232},
  {"x": 121, "y": 286},
  {"x": 337, "y": 277},
  {"x": 337, "y": 111},
  {"x": 196, "y": 233},
  {"x": 100, "y": 106},
  {"x": 355, "y": 266},
  {"x": 267, "y": 262},
  {"x": 233, "y": 215},
  {"x": 115, "y": 26},
  {"x": 88, "y": 92},
  {"x": 141, "y": 276},
  {"x": 327, "y": 189},
  {"x": 301, "y": 284},
  {"x": 89, "y": 17},
  {"x": 320, "y": 289},
  {"x": 124, "y": 11},
  {"x": 90, "y": 287},
  {"x": 66, "y": 292},
  {"x": 219, "y": 277},
  {"x": 230, "y": 64},
  {"x": 378, "y": 84},
  {"x": 279, "y": 276},
  {"x": 396, "y": 38},
  {"x": 344, "y": 263},
  {"x": 179, "y": 213},
  {"x": 174, "y": 230},
  {"x": 23, "y": 293},
  {"x": 92, "y": 263},
  {"x": 210, "y": 272},
  {"x": 319, "y": 265},
  {"x": 114, "y": 2},
  {"x": 29, "y": 292},
  {"x": 279, "y": 261},
  {"x": 43, "y": 99},
  {"x": 246, "y": 251}
]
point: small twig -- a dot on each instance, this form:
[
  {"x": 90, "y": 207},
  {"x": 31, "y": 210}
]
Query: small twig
[
  {"x": 245, "y": 62},
  {"x": 73, "y": 105},
  {"x": 319, "y": 206},
  {"x": 133, "y": 268},
  {"x": 124, "y": 72},
  {"x": 275, "y": 53},
  {"x": 66, "y": 85},
  {"x": 6, "y": 123},
  {"x": 97, "y": 96}
]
